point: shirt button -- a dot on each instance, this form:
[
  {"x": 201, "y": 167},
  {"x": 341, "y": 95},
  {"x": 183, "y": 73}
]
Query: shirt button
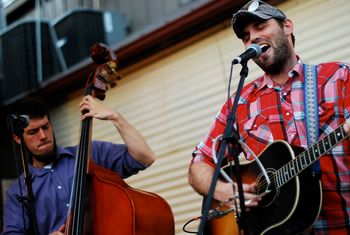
[
  {"x": 291, "y": 74},
  {"x": 255, "y": 125},
  {"x": 52, "y": 170},
  {"x": 59, "y": 186},
  {"x": 287, "y": 114},
  {"x": 67, "y": 205}
]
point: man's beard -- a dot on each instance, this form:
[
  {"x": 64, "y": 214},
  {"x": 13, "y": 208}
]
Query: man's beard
[
  {"x": 47, "y": 158},
  {"x": 281, "y": 57}
]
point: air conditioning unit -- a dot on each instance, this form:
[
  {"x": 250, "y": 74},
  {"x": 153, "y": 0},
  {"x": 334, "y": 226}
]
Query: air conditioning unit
[
  {"x": 19, "y": 59},
  {"x": 79, "y": 29}
]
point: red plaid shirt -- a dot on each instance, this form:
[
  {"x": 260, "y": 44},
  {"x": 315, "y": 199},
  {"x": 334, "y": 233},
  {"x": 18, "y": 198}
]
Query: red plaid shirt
[{"x": 267, "y": 112}]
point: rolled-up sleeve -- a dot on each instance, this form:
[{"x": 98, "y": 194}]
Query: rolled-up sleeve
[{"x": 115, "y": 157}]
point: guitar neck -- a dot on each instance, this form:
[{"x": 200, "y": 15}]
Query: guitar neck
[{"x": 309, "y": 156}]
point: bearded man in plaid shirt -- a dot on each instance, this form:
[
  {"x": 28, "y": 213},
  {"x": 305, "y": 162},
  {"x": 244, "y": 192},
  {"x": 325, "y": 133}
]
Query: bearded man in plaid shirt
[{"x": 272, "y": 108}]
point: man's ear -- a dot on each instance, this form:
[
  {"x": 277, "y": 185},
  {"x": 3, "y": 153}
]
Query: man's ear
[
  {"x": 17, "y": 139},
  {"x": 288, "y": 27}
]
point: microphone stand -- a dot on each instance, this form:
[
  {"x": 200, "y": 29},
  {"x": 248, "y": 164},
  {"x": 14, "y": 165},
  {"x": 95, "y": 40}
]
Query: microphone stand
[
  {"x": 230, "y": 136},
  {"x": 19, "y": 124}
]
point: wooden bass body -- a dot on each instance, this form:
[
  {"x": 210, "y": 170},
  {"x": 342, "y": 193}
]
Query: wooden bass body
[{"x": 123, "y": 210}]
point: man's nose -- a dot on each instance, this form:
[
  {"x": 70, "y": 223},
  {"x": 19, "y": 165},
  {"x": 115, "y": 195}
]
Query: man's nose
[
  {"x": 42, "y": 134},
  {"x": 254, "y": 38}
]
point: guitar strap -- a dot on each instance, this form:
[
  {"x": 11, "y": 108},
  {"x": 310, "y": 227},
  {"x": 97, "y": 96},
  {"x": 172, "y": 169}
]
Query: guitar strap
[{"x": 311, "y": 108}]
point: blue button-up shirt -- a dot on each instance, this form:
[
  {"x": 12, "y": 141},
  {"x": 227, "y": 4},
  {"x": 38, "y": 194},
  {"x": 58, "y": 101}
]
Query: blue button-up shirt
[{"x": 52, "y": 186}]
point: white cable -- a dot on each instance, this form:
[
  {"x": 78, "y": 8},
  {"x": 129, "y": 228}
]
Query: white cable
[{"x": 223, "y": 173}]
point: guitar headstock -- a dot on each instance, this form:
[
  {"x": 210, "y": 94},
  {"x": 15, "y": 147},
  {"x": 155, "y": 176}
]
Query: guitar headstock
[{"x": 105, "y": 74}]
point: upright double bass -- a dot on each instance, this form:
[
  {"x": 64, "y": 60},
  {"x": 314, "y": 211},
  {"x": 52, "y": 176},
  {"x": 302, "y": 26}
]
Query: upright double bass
[{"x": 102, "y": 203}]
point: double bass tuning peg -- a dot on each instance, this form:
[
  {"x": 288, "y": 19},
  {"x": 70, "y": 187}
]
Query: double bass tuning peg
[
  {"x": 112, "y": 65},
  {"x": 108, "y": 73}
]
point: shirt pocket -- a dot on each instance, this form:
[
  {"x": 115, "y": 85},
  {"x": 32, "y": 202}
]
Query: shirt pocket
[
  {"x": 326, "y": 112},
  {"x": 257, "y": 127},
  {"x": 330, "y": 117}
]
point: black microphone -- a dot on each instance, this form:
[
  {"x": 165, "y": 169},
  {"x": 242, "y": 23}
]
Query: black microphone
[
  {"x": 21, "y": 119},
  {"x": 252, "y": 51}
]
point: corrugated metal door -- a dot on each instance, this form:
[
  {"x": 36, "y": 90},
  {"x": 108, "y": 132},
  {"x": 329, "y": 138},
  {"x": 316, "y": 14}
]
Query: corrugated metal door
[{"x": 173, "y": 100}]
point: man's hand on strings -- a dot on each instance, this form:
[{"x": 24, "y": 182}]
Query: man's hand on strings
[
  {"x": 92, "y": 108},
  {"x": 228, "y": 195}
]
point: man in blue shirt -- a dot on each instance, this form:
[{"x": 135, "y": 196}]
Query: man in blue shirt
[{"x": 52, "y": 167}]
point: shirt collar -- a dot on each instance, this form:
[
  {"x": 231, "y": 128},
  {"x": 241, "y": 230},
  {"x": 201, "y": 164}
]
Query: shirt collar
[
  {"x": 266, "y": 81},
  {"x": 61, "y": 153},
  {"x": 298, "y": 70}
]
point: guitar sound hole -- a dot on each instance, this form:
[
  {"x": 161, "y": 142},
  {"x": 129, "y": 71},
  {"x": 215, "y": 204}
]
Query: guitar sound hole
[{"x": 265, "y": 190}]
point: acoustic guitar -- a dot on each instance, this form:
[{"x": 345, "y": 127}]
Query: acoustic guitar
[{"x": 292, "y": 193}]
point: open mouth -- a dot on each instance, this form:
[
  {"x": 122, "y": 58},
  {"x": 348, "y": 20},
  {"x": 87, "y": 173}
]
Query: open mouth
[{"x": 264, "y": 47}]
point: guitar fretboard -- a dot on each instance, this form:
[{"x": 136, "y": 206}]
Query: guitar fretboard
[{"x": 309, "y": 156}]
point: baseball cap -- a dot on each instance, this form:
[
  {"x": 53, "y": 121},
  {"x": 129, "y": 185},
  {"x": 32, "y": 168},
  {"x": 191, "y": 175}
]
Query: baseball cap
[{"x": 252, "y": 11}]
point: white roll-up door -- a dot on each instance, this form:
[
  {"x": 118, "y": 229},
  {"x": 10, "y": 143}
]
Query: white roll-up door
[{"x": 173, "y": 100}]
